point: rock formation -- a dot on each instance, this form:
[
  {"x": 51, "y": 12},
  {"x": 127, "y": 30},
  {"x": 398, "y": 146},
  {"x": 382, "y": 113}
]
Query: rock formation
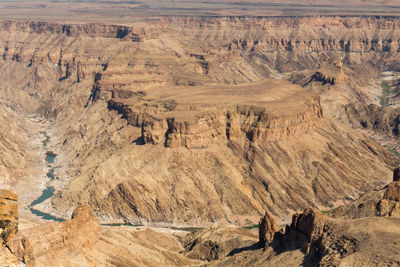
[
  {"x": 8, "y": 225},
  {"x": 324, "y": 238},
  {"x": 267, "y": 228},
  {"x": 384, "y": 202},
  {"x": 314, "y": 239},
  {"x": 8, "y": 215},
  {"x": 393, "y": 192},
  {"x": 81, "y": 242},
  {"x": 214, "y": 243},
  {"x": 41, "y": 245}
]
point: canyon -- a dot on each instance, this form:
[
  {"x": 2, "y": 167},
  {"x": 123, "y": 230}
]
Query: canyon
[{"x": 118, "y": 137}]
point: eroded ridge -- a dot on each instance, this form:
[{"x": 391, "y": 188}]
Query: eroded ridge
[{"x": 193, "y": 117}]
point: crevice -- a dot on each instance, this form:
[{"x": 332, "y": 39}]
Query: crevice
[{"x": 170, "y": 123}]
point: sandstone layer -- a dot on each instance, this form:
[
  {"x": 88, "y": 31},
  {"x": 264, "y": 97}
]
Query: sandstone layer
[{"x": 384, "y": 202}]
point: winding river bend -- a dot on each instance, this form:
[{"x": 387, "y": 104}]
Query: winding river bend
[{"x": 49, "y": 190}]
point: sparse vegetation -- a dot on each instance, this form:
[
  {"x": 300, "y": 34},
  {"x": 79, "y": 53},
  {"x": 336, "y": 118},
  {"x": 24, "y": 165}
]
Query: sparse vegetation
[
  {"x": 254, "y": 226},
  {"x": 46, "y": 138},
  {"x": 121, "y": 224},
  {"x": 393, "y": 151},
  {"x": 385, "y": 93},
  {"x": 187, "y": 229}
]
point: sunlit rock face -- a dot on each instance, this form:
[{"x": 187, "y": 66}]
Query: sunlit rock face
[{"x": 8, "y": 215}]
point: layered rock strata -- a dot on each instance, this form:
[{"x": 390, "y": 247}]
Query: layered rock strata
[
  {"x": 193, "y": 123},
  {"x": 384, "y": 202}
]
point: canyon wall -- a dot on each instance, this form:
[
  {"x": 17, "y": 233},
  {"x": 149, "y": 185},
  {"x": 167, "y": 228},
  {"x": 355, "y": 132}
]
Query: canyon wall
[{"x": 157, "y": 124}]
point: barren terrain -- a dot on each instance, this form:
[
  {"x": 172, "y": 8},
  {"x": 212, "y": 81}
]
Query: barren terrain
[{"x": 133, "y": 124}]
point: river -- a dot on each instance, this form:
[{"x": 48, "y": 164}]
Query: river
[{"x": 49, "y": 190}]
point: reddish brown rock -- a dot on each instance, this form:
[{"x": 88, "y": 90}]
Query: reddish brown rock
[
  {"x": 319, "y": 237},
  {"x": 267, "y": 229},
  {"x": 8, "y": 215},
  {"x": 393, "y": 192}
]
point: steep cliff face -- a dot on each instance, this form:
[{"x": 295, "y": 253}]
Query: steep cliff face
[
  {"x": 384, "y": 120},
  {"x": 183, "y": 122},
  {"x": 8, "y": 215}
]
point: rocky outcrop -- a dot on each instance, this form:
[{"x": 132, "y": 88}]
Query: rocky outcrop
[
  {"x": 8, "y": 215},
  {"x": 42, "y": 244},
  {"x": 267, "y": 228},
  {"x": 320, "y": 77},
  {"x": 256, "y": 124},
  {"x": 384, "y": 203},
  {"x": 81, "y": 241},
  {"x": 314, "y": 239},
  {"x": 214, "y": 243},
  {"x": 319, "y": 237},
  {"x": 8, "y": 225},
  {"x": 393, "y": 192},
  {"x": 380, "y": 119}
]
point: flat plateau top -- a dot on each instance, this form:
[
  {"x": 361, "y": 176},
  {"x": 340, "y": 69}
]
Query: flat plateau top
[
  {"x": 277, "y": 97},
  {"x": 125, "y": 12}
]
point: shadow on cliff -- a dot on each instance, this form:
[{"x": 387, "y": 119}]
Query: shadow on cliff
[
  {"x": 254, "y": 246},
  {"x": 278, "y": 247}
]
